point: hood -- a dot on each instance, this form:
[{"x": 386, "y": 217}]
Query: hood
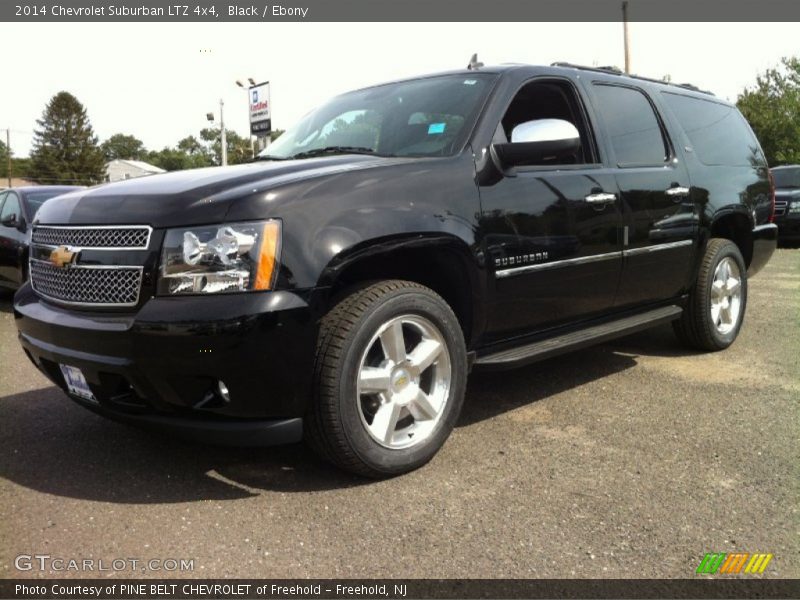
[
  {"x": 787, "y": 193},
  {"x": 194, "y": 196}
]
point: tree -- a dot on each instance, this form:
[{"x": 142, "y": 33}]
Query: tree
[
  {"x": 123, "y": 146},
  {"x": 772, "y": 107},
  {"x": 65, "y": 149},
  {"x": 239, "y": 148},
  {"x": 3, "y": 160},
  {"x": 275, "y": 134}
]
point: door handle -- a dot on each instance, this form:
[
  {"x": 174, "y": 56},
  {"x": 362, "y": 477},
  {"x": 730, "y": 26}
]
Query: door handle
[
  {"x": 677, "y": 192},
  {"x": 600, "y": 198}
]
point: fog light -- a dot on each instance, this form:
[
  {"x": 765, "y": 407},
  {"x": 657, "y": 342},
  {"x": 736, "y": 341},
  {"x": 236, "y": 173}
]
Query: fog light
[{"x": 223, "y": 391}]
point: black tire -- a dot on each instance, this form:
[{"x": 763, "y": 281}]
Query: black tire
[
  {"x": 696, "y": 328},
  {"x": 333, "y": 425}
]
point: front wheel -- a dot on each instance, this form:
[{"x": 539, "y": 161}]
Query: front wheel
[
  {"x": 715, "y": 312},
  {"x": 389, "y": 379}
]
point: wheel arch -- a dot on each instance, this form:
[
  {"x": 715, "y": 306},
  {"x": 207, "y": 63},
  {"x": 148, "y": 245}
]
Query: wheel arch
[
  {"x": 439, "y": 261},
  {"x": 736, "y": 226}
]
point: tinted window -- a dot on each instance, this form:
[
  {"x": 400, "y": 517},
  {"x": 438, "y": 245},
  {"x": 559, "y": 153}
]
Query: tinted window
[
  {"x": 541, "y": 100},
  {"x": 718, "y": 133},
  {"x": 10, "y": 207},
  {"x": 34, "y": 200},
  {"x": 632, "y": 126},
  {"x": 787, "y": 178}
]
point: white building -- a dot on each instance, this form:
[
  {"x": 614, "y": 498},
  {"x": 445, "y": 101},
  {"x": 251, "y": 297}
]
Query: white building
[{"x": 119, "y": 169}]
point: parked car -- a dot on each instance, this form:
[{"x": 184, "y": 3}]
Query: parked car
[
  {"x": 787, "y": 201},
  {"x": 18, "y": 207},
  {"x": 341, "y": 287}
]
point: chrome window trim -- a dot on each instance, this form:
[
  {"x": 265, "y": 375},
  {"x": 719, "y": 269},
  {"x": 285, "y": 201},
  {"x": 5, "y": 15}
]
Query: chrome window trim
[
  {"x": 95, "y": 227},
  {"x": 140, "y": 269},
  {"x": 582, "y": 260}
]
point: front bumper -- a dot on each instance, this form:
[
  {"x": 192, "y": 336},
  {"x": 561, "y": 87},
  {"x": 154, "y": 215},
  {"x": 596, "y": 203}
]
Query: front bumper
[
  {"x": 161, "y": 366},
  {"x": 765, "y": 240},
  {"x": 788, "y": 226}
]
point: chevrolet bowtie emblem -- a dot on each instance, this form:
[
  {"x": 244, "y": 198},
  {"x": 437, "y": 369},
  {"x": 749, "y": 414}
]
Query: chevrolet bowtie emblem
[{"x": 63, "y": 256}]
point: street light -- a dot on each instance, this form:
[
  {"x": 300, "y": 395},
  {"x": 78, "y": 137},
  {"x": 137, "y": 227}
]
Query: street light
[{"x": 222, "y": 137}]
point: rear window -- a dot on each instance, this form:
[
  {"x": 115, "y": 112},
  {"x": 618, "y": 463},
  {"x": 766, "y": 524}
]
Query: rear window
[
  {"x": 787, "y": 178},
  {"x": 719, "y": 134}
]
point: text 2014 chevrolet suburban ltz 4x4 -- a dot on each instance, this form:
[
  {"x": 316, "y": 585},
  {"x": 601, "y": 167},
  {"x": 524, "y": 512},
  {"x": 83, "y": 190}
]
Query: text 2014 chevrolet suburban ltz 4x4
[{"x": 341, "y": 287}]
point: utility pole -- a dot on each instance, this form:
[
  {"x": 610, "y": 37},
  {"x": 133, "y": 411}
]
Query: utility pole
[
  {"x": 222, "y": 138},
  {"x": 627, "y": 40},
  {"x": 8, "y": 152}
]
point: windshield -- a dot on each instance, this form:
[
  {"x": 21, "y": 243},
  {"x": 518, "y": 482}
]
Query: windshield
[
  {"x": 787, "y": 178},
  {"x": 34, "y": 200},
  {"x": 422, "y": 117}
]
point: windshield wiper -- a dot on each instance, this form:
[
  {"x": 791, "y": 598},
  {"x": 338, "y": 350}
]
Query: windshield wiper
[
  {"x": 268, "y": 157},
  {"x": 334, "y": 150}
]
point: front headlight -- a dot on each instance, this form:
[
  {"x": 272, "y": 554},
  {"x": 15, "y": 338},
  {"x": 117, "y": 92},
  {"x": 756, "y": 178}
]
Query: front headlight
[
  {"x": 233, "y": 257},
  {"x": 794, "y": 207}
]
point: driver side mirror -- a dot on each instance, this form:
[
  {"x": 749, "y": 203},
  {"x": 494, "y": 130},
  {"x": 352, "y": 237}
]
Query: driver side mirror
[
  {"x": 537, "y": 142},
  {"x": 10, "y": 220}
]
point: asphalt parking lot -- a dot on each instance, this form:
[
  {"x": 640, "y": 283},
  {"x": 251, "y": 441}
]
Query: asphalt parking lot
[{"x": 631, "y": 459}]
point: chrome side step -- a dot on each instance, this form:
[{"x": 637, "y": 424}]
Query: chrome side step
[{"x": 553, "y": 346}]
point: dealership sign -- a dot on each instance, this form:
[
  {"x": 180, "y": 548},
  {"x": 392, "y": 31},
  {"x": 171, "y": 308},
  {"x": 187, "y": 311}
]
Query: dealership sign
[{"x": 260, "y": 109}]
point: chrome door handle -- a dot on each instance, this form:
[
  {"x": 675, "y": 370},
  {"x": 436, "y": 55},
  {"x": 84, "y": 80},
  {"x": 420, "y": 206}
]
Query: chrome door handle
[
  {"x": 600, "y": 198},
  {"x": 677, "y": 192}
]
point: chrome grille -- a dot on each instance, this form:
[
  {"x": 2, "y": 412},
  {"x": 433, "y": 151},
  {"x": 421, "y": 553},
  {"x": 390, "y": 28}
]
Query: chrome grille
[
  {"x": 134, "y": 237},
  {"x": 87, "y": 285},
  {"x": 780, "y": 207}
]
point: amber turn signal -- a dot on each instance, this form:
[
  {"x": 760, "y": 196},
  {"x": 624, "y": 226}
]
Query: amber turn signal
[{"x": 268, "y": 256}]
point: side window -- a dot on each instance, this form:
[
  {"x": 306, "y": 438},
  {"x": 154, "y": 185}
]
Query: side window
[
  {"x": 549, "y": 99},
  {"x": 718, "y": 133},
  {"x": 632, "y": 126},
  {"x": 10, "y": 207}
]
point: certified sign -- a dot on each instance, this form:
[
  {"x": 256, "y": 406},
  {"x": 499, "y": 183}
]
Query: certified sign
[{"x": 260, "y": 109}]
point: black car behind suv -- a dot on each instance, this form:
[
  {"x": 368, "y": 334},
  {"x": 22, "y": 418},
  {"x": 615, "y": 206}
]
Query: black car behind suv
[
  {"x": 787, "y": 202},
  {"x": 341, "y": 287},
  {"x": 18, "y": 207}
]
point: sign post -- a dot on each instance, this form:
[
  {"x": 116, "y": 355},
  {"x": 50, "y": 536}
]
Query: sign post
[{"x": 260, "y": 109}]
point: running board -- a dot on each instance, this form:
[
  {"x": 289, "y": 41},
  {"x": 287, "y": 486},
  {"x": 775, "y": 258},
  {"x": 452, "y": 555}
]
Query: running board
[{"x": 577, "y": 339}]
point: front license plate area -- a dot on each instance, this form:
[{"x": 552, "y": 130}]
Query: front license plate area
[{"x": 76, "y": 383}]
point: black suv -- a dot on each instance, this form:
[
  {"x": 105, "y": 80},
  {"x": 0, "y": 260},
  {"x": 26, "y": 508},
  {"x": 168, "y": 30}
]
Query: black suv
[
  {"x": 341, "y": 287},
  {"x": 787, "y": 202}
]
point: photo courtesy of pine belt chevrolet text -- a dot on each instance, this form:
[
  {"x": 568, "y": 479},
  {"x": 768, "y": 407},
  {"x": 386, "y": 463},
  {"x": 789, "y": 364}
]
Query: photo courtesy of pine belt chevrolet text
[{"x": 341, "y": 287}]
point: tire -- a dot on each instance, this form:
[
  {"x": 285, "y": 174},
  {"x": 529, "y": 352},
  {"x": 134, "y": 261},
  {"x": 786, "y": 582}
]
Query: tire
[
  {"x": 380, "y": 407},
  {"x": 715, "y": 311}
]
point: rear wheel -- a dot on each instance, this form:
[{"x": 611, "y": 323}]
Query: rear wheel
[
  {"x": 717, "y": 302},
  {"x": 389, "y": 379}
]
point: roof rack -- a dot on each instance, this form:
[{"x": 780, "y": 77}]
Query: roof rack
[{"x": 617, "y": 71}]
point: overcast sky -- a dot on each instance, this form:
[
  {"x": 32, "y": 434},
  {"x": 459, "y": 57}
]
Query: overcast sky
[{"x": 158, "y": 81}]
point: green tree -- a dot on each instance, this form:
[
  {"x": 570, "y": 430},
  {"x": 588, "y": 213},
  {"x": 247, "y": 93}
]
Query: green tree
[
  {"x": 239, "y": 148},
  {"x": 123, "y": 146},
  {"x": 65, "y": 147},
  {"x": 4, "y": 161},
  {"x": 275, "y": 134},
  {"x": 772, "y": 107}
]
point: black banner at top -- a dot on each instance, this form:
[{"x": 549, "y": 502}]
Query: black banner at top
[{"x": 398, "y": 10}]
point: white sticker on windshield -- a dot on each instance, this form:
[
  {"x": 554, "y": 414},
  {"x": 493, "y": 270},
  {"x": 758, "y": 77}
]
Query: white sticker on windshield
[{"x": 470, "y": 81}]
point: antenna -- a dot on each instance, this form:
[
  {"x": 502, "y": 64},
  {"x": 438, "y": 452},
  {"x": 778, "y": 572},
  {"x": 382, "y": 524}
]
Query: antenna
[{"x": 474, "y": 65}]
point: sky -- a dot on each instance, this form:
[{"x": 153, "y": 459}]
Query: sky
[{"x": 158, "y": 81}]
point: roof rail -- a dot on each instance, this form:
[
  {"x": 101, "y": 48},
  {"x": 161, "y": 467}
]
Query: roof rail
[{"x": 617, "y": 71}]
